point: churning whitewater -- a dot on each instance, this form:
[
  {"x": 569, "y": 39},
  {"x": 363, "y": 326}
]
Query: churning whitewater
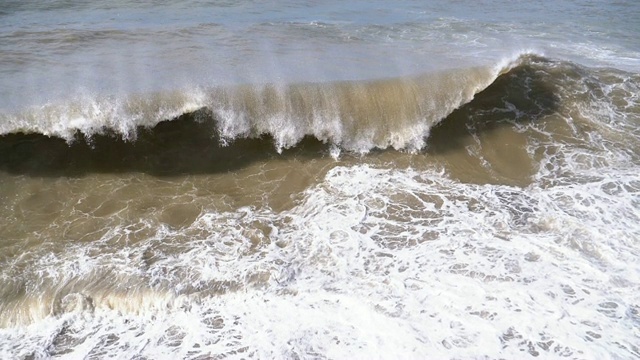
[{"x": 303, "y": 180}]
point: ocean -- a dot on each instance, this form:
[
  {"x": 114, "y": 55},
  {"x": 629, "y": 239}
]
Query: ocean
[{"x": 319, "y": 179}]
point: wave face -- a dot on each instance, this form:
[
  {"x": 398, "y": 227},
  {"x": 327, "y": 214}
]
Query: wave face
[
  {"x": 354, "y": 115},
  {"x": 231, "y": 127}
]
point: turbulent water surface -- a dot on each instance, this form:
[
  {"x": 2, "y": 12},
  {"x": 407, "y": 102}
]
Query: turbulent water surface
[{"x": 301, "y": 179}]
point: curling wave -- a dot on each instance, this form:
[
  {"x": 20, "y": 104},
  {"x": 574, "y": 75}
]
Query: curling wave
[{"x": 354, "y": 115}]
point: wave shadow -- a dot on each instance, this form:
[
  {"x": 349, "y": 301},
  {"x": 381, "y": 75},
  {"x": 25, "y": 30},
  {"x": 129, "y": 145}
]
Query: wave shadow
[
  {"x": 187, "y": 145},
  {"x": 526, "y": 94}
]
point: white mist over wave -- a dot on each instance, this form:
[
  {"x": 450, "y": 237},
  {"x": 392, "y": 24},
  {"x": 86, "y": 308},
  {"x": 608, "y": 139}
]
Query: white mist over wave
[{"x": 355, "y": 115}]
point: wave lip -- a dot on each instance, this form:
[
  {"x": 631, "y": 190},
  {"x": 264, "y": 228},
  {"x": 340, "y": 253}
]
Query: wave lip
[{"x": 354, "y": 115}]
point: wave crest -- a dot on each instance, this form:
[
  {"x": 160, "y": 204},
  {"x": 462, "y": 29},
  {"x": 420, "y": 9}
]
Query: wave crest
[{"x": 354, "y": 115}]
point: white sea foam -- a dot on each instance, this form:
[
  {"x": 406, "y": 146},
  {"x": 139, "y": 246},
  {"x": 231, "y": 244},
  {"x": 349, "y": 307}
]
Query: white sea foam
[{"x": 373, "y": 263}]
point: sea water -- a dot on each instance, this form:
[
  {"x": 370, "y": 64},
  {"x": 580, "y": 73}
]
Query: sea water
[{"x": 301, "y": 179}]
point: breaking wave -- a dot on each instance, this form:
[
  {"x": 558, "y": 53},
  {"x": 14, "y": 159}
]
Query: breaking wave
[{"x": 353, "y": 115}]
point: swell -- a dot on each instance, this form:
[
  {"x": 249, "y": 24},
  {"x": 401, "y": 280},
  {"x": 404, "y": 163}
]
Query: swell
[
  {"x": 229, "y": 128},
  {"x": 354, "y": 115},
  {"x": 252, "y": 124}
]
